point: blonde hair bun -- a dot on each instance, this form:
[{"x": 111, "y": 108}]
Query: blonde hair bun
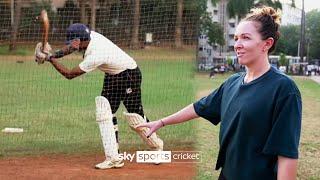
[{"x": 266, "y": 11}]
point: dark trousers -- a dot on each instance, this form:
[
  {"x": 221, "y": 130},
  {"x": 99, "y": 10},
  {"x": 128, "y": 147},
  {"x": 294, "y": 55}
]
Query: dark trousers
[{"x": 124, "y": 87}]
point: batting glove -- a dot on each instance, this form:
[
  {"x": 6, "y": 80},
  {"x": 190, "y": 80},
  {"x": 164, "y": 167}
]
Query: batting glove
[{"x": 42, "y": 54}]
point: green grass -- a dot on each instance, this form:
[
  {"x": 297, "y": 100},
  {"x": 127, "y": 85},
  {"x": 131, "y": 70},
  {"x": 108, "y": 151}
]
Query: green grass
[
  {"x": 22, "y": 51},
  {"x": 58, "y": 115},
  {"x": 309, "y": 164}
]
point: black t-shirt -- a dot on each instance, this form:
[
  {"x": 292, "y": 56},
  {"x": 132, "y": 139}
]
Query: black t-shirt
[{"x": 259, "y": 121}]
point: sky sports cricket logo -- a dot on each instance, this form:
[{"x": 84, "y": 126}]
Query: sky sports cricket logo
[{"x": 162, "y": 156}]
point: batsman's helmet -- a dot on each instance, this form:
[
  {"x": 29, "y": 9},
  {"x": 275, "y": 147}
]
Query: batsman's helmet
[{"x": 78, "y": 31}]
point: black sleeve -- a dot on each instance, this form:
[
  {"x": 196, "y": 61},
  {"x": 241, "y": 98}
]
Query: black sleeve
[{"x": 209, "y": 107}]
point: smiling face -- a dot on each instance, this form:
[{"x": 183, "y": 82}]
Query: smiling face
[{"x": 249, "y": 46}]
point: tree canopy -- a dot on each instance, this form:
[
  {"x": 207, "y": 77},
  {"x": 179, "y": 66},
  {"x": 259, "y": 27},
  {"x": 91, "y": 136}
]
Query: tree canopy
[{"x": 313, "y": 33}]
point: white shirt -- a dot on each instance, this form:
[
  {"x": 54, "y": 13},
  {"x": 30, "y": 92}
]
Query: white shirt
[{"x": 103, "y": 54}]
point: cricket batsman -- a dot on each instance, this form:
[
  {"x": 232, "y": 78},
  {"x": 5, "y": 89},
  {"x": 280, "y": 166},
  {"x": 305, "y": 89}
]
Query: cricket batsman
[{"x": 122, "y": 83}]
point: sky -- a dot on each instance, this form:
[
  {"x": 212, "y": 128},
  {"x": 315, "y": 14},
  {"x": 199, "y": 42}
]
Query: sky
[{"x": 308, "y": 4}]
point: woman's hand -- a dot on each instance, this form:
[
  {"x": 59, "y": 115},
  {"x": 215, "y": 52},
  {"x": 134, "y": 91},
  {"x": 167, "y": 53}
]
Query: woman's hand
[
  {"x": 153, "y": 126},
  {"x": 183, "y": 115}
]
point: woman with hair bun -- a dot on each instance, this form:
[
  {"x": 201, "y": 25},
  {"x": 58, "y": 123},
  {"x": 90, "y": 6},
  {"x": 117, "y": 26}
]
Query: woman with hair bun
[{"x": 259, "y": 111}]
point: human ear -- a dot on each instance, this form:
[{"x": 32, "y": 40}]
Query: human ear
[{"x": 268, "y": 44}]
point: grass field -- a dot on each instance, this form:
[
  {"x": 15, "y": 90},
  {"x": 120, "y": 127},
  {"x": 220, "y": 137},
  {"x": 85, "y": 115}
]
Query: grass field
[
  {"x": 58, "y": 115},
  {"x": 22, "y": 51}
]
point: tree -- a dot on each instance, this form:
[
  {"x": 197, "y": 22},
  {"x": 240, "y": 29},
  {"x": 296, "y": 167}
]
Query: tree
[
  {"x": 83, "y": 14},
  {"x": 136, "y": 24},
  {"x": 313, "y": 33},
  {"x": 5, "y": 21},
  {"x": 93, "y": 14},
  {"x": 178, "y": 29},
  {"x": 15, "y": 25},
  {"x": 283, "y": 61},
  {"x": 66, "y": 15},
  {"x": 107, "y": 18},
  {"x": 214, "y": 31},
  {"x": 215, "y": 34},
  {"x": 23, "y": 19},
  {"x": 289, "y": 40},
  {"x": 242, "y": 7}
]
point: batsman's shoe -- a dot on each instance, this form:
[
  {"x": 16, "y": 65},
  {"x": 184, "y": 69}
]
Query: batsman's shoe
[
  {"x": 159, "y": 148},
  {"x": 110, "y": 164},
  {"x": 158, "y": 162}
]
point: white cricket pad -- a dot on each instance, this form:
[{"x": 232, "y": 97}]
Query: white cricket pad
[
  {"x": 104, "y": 119},
  {"x": 134, "y": 119}
]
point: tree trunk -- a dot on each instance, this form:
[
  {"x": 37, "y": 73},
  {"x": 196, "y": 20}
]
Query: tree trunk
[
  {"x": 93, "y": 14},
  {"x": 136, "y": 24},
  {"x": 15, "y": 24},
  {"x": 83, "y": 15},
  {"x": 178, "y": 33}
]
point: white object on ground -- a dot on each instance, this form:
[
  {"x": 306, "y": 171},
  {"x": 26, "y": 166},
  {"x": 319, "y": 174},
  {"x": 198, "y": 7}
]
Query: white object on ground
[{"x": 12, "y": 130}]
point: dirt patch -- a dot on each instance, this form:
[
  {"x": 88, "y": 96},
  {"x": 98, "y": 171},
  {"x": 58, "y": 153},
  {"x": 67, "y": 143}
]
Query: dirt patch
[{"x": 82, "y": 167}]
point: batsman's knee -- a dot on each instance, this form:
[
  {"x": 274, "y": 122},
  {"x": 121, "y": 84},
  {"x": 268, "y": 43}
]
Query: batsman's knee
[{"x": 103, "y": 109}]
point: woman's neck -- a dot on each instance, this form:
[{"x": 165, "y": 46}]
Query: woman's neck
[{"x": 256, "y": 70}]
